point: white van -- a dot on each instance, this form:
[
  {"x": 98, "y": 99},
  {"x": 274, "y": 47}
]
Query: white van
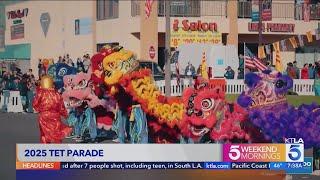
[{"x": 218, "y": 57}]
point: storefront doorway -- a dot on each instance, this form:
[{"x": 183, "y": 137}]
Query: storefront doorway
[{"x": 15, "y": 57}]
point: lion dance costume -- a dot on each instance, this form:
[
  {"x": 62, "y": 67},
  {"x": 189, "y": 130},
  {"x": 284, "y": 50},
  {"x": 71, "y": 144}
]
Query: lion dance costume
[
  {"x": 269, "y": 110},
  {"x": 168, "y": 118},
  {"x": 49, "y": 103},
  {"x": 81, "y": 100},
  {"x": 209, "y": 118}
]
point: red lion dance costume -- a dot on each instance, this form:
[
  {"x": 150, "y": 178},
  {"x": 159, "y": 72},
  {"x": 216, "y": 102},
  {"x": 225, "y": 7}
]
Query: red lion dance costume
[
  {"x": 104, "y": 117},
  {"x": 49, "y": 103}
]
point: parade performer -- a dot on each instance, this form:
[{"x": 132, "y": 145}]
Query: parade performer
[
  {"x": 269, "y": 110},
  {"x": 117, "y": 79},
  {"x": 138, "y": 125},
  {"x": 104, "y": 117},
  {"x": 131, "y": 127},
  {"x": 97, "y": 76},
  {"x": 81, "y": 100},
  {"x": 49, "y": 103},
  {"x": 130, "y": 122}
]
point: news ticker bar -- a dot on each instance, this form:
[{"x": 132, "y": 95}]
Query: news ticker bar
[
  {"x": 305, "y": 167},
  {"x": 160, "y": 152}
]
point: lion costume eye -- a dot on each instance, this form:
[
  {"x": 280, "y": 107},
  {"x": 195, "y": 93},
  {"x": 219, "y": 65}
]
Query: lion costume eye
[
  {"x": 111, "y": 65},
  {"x": 82, "y": 84},
  {"x": 62, "y": 72},
  {"x": 207, "y": 104},
  {"x": 280, "y": 83},
  {"x": 107, "y": 73}
]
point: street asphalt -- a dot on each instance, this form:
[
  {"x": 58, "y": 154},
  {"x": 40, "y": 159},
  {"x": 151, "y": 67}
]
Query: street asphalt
[{"x": 23, "y": 128}]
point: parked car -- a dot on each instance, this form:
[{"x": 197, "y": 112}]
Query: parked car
[{"x": 156, "y": 71}]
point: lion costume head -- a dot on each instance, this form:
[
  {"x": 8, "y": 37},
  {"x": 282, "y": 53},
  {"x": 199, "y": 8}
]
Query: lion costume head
[
  {"x": 117, "y": 64},
  {"x": 265, "y": 89},
  {"x": 207, "y": 113}
]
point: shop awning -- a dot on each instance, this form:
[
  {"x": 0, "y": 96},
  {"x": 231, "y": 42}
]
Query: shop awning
[{"x": 16, "y": 52}]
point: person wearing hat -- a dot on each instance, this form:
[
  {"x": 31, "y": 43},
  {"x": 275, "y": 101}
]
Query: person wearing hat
[
  {"x": 49, "y": 103},
  {"x": 229, "y": 73}
]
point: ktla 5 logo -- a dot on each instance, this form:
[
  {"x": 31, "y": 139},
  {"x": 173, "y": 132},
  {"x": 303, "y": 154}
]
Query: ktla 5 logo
[
  {"x": 234, "y": 153},
  {"x": 294, "y": 153}
]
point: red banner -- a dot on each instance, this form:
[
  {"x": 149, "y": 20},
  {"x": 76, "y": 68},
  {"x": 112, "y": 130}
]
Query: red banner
[
  {"x": 306, "y": 12},
  {"x": 266, "y": 10}
]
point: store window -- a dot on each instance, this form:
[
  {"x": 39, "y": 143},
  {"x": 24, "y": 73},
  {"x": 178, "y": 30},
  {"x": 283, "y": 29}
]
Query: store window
[
  {"x": 107, "y": 9},
  {"x": 181, "y": 8},
  {"x": 244, "y": 8},
  {"x": 313, "y": 8}
]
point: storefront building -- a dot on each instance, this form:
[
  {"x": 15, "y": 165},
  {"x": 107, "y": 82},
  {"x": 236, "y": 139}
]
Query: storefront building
[
  {"x": 49, "y": 30},
  {"x": 56, "y": 28}
]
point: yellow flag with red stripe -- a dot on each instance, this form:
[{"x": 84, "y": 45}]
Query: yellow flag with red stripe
[
  {"x": 309, "y": 36},
  {"x": 278, "y": 57},
  {"x": 293, "y": 42},
  {"x": 261, "y": 52},
  {"x": 204, "y": 72}
]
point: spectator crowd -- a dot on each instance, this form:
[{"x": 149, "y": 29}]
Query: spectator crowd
[
  {"x": 15, "y": 80},
  {"x": 308, "y": 71},
  {"x": 81, "y": 64}
]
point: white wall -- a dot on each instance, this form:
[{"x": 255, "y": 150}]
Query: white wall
[
  {"x": 303, "y": 58},
  {"x": 120, "y": 29},
  {"x": 286, "y": 57},
  {"x": 60, "y": 38},
  {"x": 77, "y": 45}
]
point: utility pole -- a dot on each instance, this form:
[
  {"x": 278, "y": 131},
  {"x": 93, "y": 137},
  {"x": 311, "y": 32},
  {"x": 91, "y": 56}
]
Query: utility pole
[
  {"x": 315, "y": 50},
  {"x": 167, "y": 51},
  {"x": 260, "y": 22}
]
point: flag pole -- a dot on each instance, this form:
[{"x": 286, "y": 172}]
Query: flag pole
[
  {"x": 244, "y": 61},
  {"x": 167, "y": 50}
]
